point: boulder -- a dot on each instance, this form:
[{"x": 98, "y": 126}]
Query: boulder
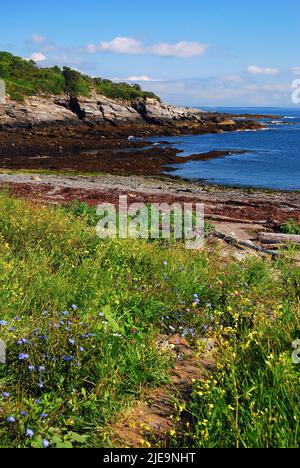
[
  {"x": 155, "y": 112},
  {"x": 34, "y": 111}
]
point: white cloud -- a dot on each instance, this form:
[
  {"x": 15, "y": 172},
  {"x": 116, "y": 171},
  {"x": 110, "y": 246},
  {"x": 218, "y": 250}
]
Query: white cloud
[
  {"x": 181, "y": 49},
  {"x": 128, "y": 45},
  {"x": 279, "y": 88},
  {"x": 296, "y": 70},
  {"x": 262, "y": 71},
  {"x": 232, "y": 79},
  {"x": 120, "y": 45},
  {"x": 37, "y": 57},
  {"x": 140, "y": 78},
  {"x": 37, "y": 39}
]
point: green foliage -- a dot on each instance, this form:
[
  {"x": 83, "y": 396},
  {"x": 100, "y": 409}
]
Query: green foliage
[
  {"x": 250, "y": 400},
  {"x": 89, "y": 362},
  {"x": 23, "y": 78},
  {"x": 290, "y": 227}
]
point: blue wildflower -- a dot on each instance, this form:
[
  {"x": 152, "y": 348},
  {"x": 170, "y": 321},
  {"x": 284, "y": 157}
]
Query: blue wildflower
[
  {"x": 29, "y": 433},
  {"x": 42, "y": 369},
  {"x": 44, "y": 416},
  {"x": 23, "y": 357},
  {"x": 11, "y": 419},
  {"x": 74, "y": 307},
  {"x": 46, "y": 443},
  {"x": 5, "y": 395},
  {"x": 23, "y": 413},
  {"x": 3, "y": 323},
  {"x": 31, "y": 368},
  {"x": 72, "y": 342},
  {"x": 68, "y": 358},
  {"x": 22, "y": 341}
]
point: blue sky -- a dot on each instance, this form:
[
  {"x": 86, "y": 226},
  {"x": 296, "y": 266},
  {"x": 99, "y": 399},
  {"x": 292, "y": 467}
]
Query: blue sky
[{"x": 205, "y": 53}]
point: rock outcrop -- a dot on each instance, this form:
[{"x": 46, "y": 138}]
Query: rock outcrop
[
  {"x": 99, "y": 110},
  {"x": 154, "y": 112},
  {"x": 34, "y": 111},
  {"x": 95, "y": 110}
]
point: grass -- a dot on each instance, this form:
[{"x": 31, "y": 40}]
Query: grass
[
  {"x": 290, "y": 227},
  {"x": 51, "y": 172},
  {"x": 81, "y": 317}
]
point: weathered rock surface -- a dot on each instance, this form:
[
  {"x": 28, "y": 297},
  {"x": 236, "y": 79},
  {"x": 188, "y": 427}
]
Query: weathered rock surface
[
  {"x": 94, "y": 110},
  {"x": 34, "y": 111},
  {"x": 100, "y": 111},
  {"x": 155, "y": 112}
]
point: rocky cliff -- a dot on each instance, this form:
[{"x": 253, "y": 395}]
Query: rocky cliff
[{"x": 99, "y": 110}]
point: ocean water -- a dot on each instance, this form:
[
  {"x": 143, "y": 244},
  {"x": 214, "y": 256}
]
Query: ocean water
[{"x": 271, "y": 159}]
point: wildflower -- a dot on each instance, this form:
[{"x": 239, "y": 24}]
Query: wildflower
[
  {"x": 46, "y": 443},
  {"x": 41, "y": 384},
  {"x": 172, "y": 329},
  {"x": 11, "y": 329},
  {"x": 11, "y": 419},
  {"x": 23, "y": 413},
  {"x": 37, "y": 401},
  {"x": 74, "y": 307},
  {"x": 66, "y": 313},
  {"x": 31, "y": 368},
  {"x": 133, "y": 331},
  {"x": 17, "y": 319},
  {"x": 72, "y": 342},
  {"x": 5, "y": 395},
  {"x": 42, "y": 369},
  {"x": 22, "y": 341},
  {"x": 23, "y": 357},
  {"x": 81, "y": 349},
  {"x": 117, "y": 335},
  {"x": 68, "y": 358},
  {"x": 44, "y": 416},
  {"x": 3, "y": 323},
  {"x": 165, "y": 263},
  {"x": 29, "y": 433}
]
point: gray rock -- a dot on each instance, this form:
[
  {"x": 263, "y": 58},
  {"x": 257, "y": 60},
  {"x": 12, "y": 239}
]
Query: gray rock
[{"x": 94, "y": 110}]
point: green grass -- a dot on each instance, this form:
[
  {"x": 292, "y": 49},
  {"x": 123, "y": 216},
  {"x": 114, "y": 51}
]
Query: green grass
[
  {"x": 91, "y": 362},
  {"x": 24, "y": 78},
  {"x": 290, "y": 227}
]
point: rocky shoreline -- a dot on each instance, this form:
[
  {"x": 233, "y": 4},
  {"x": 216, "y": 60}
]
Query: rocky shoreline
[
  {"x": 100, "y": 111},
  {"x": 94, "y": 135}
]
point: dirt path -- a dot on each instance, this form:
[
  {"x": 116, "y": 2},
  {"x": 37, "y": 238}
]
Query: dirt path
[{"x": 151, "y": 421}]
